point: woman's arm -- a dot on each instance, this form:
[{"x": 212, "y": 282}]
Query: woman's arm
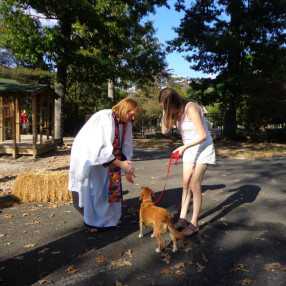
[
  {"x": 194, "y": 114},
  {"x": 164, "y": 129}
]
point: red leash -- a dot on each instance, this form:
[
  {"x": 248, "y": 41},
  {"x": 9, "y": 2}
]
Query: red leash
[{"x": 176, "y": 156}]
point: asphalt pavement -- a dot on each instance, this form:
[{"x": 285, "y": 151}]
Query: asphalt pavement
[{"x": 242, "y": 238}]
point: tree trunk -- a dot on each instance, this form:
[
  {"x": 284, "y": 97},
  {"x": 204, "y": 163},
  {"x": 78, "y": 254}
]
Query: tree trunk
[
  {"x": 230, "y": 124},
  {"x": 60, "y": 88},
  {"x": 65, "y": 55},
  {"x": 110, "y": 92},
  {"x": 233, "y": 87}
]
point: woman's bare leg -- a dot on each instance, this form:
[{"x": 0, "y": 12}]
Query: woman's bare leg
[
  {"x": 187, "y": 193},
  {"x": 196, "y": 188}
]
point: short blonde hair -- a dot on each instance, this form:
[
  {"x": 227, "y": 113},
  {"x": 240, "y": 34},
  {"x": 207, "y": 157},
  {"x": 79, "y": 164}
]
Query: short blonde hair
[{"x": 124, "y": 106}]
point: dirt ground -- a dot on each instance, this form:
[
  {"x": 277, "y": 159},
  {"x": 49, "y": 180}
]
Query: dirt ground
[{"x": 59, "y": 160}]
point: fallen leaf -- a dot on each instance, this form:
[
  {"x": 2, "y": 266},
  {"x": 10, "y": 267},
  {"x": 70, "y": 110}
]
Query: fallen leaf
[
  {"x": 20, "y": 257},
  {"x": 167, "y": 258},
  {"x": 283, "y": 268},
  {"x": 246, "y": 281},
  {"x": 239, "y": 266},
  {"x": 30, "y": 245},
  {"x": 225, "y": 206},
  {"x": 7, "y": 243},
  {"x": 120, "y": 253},
  {"x": 54, "y": 206},
  {"x": 71, "y": 269},
  {"x": 200, "y": 267},
  {"x": 2, "y": 234},
  {"x": 117, "y": 283},
  {"x": 188, "y": 249},
  {"x": 7, "y": 215},
  {"x": 56, "y": 252},
  {"x": 179, "y": 265},
  {"x": 101, "y": 259},
  {"x": 167, "y": 271},
  {"x": 120, "y": 262},
  {"x": 41, "y": 282},
  {"x": 26, "y": 214},
  {"x": 37, "y": 222},
  {"x": 204, "y": 258},
  {"x": 179, "y": 272},
  {"x": 272, "y": 266},
  {"x": 130, "y": 252},
  {"x": 43, "y": 250}
]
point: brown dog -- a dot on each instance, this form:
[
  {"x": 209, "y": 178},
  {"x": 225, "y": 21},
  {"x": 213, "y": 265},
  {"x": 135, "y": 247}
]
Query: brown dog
[{"x": 158, "y": 218}]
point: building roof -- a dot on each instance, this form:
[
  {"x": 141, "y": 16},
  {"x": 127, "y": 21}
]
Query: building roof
[{"x": 11, "y": 87}]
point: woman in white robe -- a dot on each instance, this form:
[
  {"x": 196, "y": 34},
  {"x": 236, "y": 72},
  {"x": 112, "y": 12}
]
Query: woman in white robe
[{"x": 91, "y": 158}]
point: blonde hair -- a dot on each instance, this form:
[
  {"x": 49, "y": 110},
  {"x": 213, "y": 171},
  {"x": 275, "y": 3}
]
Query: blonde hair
[
  {"x": 124, "y": 106},
  {"x": 174, "y": 106}
]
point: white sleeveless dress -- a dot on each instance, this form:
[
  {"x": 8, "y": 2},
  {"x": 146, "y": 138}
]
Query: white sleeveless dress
[{"x": 203, "y": 153}]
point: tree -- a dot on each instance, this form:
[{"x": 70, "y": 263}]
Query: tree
[
  {"x": 98, "y": 38},
  {"x": 239, "y": 41}
]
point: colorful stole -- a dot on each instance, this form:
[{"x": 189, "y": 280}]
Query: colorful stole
[{"x": 115, "y": 186}]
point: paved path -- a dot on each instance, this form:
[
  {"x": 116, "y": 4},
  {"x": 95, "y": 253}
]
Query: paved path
[{"x": 242, "y": 240}]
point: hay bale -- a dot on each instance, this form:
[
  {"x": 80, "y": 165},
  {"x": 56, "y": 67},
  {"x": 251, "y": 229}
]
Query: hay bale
[{"x": 42, "y": 186}]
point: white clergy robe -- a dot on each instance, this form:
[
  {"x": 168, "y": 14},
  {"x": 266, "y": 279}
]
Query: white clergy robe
[{"x": 92, "y": 147}]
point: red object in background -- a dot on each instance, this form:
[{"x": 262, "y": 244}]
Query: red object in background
[{"x": 24, "y": 118}]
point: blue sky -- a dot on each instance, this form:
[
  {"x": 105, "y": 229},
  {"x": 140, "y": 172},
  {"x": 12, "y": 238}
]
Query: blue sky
[{"x": 164, "y": 20}]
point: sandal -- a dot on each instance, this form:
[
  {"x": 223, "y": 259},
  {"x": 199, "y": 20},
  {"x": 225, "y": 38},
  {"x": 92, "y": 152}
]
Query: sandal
[
  {"x": 189, "y": 230},
  {"x": 91, "y": 228},
  {"x": 181, "y": 223}
]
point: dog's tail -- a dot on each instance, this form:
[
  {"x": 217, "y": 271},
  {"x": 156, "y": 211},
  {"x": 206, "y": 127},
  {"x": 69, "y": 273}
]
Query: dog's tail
[{"x": 175, "y": 232}]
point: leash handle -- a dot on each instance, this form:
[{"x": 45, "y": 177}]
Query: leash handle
[{"x": 176, "y": 156}]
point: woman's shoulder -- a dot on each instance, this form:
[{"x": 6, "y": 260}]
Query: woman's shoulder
[
  {"x": 103, "y": 112},
  {"x": 192, "y": 107}
]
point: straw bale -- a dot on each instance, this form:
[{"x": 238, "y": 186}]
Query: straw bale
[{"x": 42, "y": 186}]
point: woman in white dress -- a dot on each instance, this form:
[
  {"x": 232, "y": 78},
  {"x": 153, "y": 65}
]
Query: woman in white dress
[
  {"x": 197, "y": 151},
  {"x": 101, "y": 149}
]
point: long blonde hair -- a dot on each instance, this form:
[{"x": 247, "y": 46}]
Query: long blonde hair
[
  {"x": 174, "y": 106},
  {"x": 124, "y": 106}
]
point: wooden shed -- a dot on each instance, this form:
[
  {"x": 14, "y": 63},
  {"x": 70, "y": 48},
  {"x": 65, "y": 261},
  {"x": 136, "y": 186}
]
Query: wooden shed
[{"x": 39, "y": 102}]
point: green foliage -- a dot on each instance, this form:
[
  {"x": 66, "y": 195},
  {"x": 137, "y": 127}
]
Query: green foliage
[
  {"x": 240, "y": 41},
  {"x": 27, "y": 75},
  {"x": 91, "y": 42}
]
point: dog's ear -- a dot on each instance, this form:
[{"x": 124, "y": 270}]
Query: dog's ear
[{"x": 142, "y": 194}]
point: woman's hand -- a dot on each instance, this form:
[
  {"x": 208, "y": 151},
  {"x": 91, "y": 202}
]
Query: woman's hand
[
  {"x": 129, "y": 177},
  {"x": 124, "y": 165},
  {"x": 127, "y": 167},
  {"x": 181, "y": 150}
]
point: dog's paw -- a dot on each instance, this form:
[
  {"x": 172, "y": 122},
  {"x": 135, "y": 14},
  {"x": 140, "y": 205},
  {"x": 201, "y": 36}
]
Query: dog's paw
[
  {"x": 153, "y": 235},
  {"x": 158, "y": 250},
  {"x": 175, "y": 249},
  {"x": 140, "y": 235}
]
